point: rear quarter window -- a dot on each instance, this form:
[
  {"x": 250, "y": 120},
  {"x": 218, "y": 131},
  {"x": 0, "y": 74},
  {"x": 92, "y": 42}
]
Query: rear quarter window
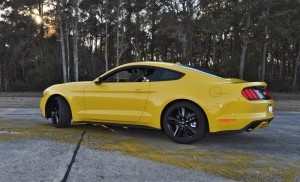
[{"x": 162, "y": 74}]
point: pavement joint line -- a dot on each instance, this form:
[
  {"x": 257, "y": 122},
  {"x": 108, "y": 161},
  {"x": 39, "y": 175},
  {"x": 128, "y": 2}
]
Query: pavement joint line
[{"x": 74, "y": 155}]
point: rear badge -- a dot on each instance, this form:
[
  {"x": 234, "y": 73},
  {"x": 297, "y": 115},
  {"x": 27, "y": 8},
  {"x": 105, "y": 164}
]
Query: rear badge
[{"x": 270, "y": 108}]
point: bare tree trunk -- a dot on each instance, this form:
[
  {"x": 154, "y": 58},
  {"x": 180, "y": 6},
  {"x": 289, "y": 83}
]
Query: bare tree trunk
[
  {"x": 221, "y": 51},
  {"x": 242, "y": 59},
  {"x": 244, "y": 47},
  {"x": 96, "y": 44},
  {"x": 41, "y": 14},
  {"x": 280, "y": 70},
  {"x": 135, "y": 42},
  {"x": 118, "y": 44},
  {"x": 214, "y": 49},
  {"x": 118, "y": 34},
  {"x": 120, "y": 48},
  {"x": 106, "y": 36},
  {"x": 260, "y": 58},
  {"x": 5, "y": 79},
  {"x": 136, "y": 52},
  {"x": 68, "y": 51},
  {"x": 184, "y": 49},
  {"x": 75, "y": 41},
  {"x": 280, "y": 66},
  {"x": 235, "y": 45},
  {"x": 152, "y": 31},
  {"x": 264, "y": 52},
  {"x": 62, "y": 43},
  {"x": 1, "y": 78},
  {"x": 296, "y": 68}
]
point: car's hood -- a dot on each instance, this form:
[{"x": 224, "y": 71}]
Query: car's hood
[
  {"x": 71, "y": 86},
  {"x": 76, "y": 84}
]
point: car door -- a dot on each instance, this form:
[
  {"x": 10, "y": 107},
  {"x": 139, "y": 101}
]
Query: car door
[{"x": 120, "y": 98}]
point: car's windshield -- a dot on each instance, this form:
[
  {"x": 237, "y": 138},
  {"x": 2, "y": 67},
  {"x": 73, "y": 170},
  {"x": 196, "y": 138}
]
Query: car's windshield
[{"x": 196, "y": 70}]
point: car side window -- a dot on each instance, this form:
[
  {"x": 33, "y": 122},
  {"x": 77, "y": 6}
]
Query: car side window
[
  {"x": 162, "y": 74},
  {"x": 130, "y": 75}
]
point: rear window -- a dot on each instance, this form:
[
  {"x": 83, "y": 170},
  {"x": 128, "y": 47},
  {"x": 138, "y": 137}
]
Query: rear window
[{"x": 198, "y": 71}]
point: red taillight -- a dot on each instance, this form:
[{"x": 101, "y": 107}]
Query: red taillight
[
  {"x": 249, "y": 94},
  {"x": 246, "y": 93},
  {"x": 256, "y": 93},
  {"x": 267, "y": 93}
]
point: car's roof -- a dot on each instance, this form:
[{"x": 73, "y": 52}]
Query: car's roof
[
  {"x": 174, "y": 66},
  {"x": 151, "y": 63}
]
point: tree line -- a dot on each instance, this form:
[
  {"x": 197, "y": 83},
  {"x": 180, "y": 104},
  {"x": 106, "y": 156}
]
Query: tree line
[{"x": 44, "y": 42}]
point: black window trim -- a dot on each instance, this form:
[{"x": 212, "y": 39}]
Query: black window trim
[{"x": 105, "y": 76}]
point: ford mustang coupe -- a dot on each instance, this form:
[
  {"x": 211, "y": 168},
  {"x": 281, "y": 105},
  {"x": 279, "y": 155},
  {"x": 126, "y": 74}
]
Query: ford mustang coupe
[{"x": 183, "y": 102}]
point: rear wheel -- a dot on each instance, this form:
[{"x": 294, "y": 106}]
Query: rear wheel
[
  {"x": 60, "y": 113},
  {"x": 184, "y": 122}
]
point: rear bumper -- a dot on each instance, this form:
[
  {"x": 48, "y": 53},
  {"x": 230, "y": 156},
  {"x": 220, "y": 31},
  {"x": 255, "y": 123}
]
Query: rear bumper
[
  {"x": 250, "y": 127},
  {"x": 241, "y": 116}
]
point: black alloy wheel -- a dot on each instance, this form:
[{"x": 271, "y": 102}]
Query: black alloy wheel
[
  {"x": 60, "y": 113},
  {"x": 184, "y": 122},
  {"x": 55, "y": 113}
]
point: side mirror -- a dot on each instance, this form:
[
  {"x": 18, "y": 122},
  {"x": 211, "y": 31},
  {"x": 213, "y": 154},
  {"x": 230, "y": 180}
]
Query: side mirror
[{"x": 98, "y": 81}]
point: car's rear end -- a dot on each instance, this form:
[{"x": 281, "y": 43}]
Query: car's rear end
[{"x": 245, "y": 106}]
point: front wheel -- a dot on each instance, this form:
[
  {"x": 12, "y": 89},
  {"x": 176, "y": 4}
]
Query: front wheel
[
  {"x": 60, "y": 113},
  {"x": 184, "y": 122}
]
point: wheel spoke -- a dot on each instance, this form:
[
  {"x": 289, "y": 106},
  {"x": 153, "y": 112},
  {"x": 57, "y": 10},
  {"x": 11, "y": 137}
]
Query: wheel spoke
[
  {"x": 190, "y": 116},
  {"x": 191, "y": 129},
  {"x": 55, "y": 113},
  {"x": 191, "y": 120},
  {"x": 177, "y": 128},
  {"x": 188, "y": 131},
  {"x": 172, "y": 120},
  {"x": 182, "y": 111},
  {"x": 178, "y": 131},
  {"x": 54, "y": 117}
]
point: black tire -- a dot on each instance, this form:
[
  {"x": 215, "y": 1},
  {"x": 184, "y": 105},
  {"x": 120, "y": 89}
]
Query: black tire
[
  {"x": 184, "y": 122},
  {"x": 60, "y": 113}
]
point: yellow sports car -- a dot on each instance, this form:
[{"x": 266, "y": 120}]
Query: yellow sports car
[{"x": 184, "y": 102}]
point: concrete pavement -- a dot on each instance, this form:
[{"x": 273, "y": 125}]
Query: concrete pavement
[
  {"x": 32, "y": 150},
  {"x": 22, "y": 113}
]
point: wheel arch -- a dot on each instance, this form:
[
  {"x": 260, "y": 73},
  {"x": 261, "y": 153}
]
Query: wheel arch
[
  {"x": 182, "y": 100},
  {"x": 50, "y": 102}
]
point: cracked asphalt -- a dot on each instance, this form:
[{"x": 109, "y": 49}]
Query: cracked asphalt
[{"x": 32, "y": 150}]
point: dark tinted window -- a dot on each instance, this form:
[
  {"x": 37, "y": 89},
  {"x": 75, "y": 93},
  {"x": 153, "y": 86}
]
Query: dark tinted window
[
  {"x": 130, "y": 75},
  {"x": 196, "y": 70},
  {"x": 165, "y": 75}
]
